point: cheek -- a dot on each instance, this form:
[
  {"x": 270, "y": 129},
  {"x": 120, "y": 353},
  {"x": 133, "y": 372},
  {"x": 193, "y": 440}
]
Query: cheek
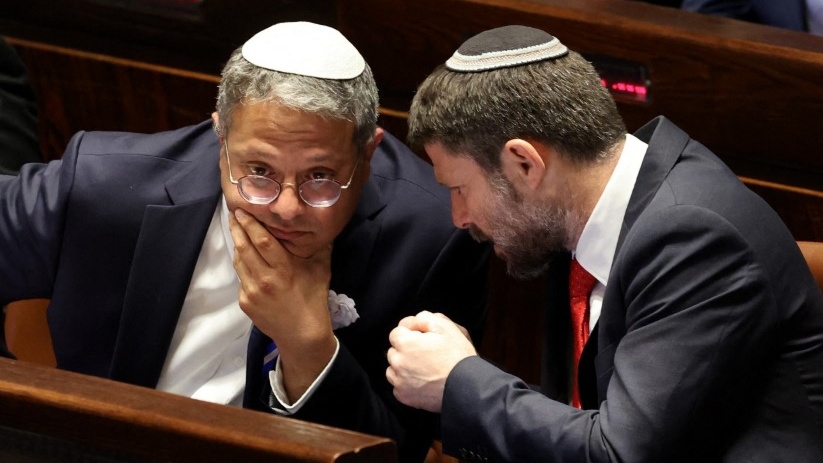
[
  {"x": 233, "y": 198},
  {"x": 330, "y": 222}
]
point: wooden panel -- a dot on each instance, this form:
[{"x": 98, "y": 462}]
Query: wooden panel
[
  {"x": 77, "y": 90},
  {"x": 143, "y": 424},
  {"x": 813, "y": 253},
  {"x": 800, "y": 208},
  {"x": 175, "y": 33},
  {"x": 749, "y": 92}
]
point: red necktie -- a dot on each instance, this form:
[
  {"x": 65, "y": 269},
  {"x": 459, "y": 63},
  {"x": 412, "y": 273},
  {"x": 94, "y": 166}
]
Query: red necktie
[{"x": 581, "y": 284}]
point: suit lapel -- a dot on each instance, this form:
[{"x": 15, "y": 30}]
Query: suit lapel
[
  {"x": 167, "y": 250},
  {"x": 353, "y": 247},
  {"x": 666, "y": 143}
]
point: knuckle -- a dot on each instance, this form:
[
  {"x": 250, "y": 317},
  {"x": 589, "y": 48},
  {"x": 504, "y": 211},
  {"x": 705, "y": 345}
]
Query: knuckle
[
  {"x": 264, "y": 242},
  {"x": 241, "y": 246},
  {"x": 267, "y": 283}
]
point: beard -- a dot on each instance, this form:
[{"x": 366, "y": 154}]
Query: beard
[{"x": 526, "y": 234}]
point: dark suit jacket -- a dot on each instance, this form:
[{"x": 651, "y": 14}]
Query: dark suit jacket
[
  {"x": 789, "y": 14},
  {"x": 709, "y": 346},
  {"x": 112, "y": 231}
]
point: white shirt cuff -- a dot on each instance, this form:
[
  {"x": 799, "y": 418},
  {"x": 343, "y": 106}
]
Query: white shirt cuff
[{"x": 276, "y": 380}]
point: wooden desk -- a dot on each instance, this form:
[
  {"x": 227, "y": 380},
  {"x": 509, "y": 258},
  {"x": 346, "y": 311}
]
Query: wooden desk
[{"x": 47, "y": 415}]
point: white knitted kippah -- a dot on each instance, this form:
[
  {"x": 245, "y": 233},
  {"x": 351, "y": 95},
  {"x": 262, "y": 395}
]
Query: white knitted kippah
[
  {"x": 305, "y": 48},
  {"x": 505, "y": 47}
]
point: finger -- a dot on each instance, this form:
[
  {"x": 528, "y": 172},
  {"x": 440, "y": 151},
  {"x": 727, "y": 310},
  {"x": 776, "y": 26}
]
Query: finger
[
  {"x": 270, "y": 250},
  {"x": 391, "y": 354},
  {"x": 416, "y": 322},
  {"x": 426, "y": 321},
  {"x": 464, "y": 331},
  {"x": 396, "y": 335},
  {"x": 391, "y": 376},
  {"x": 244, "y": 251},
  {"x": 408, "y": 322},
  {"x": 443, "y": 317}
]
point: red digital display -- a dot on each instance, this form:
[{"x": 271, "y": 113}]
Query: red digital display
[
  {"x": 632, "y": 91},
  {"x": 627, "y": 81}
]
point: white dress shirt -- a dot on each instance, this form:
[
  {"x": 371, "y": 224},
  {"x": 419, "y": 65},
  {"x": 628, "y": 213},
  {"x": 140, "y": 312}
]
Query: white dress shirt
[
  {"x": 207, "y": 356},
  {"x": 598, "y": 241}
]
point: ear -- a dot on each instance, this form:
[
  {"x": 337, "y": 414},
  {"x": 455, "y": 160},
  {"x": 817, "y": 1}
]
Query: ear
[
  {"x": 215, "y": 120},
  {"x": 522, "y": 164},
  {"x": 375, "y": 142}
]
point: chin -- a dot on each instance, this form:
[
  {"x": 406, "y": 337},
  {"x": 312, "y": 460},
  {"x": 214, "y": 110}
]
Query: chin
[
  {"x": 298, "y": 250},
  {"x": 303, "y": 251}
]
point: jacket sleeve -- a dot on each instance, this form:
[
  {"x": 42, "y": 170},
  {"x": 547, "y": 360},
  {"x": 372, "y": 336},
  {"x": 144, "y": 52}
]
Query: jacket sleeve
[{"x": 32, "y": 213}]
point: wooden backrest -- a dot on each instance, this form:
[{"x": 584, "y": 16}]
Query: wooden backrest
[
  {"x": 27, "y": 332},
  {"x": 77, "y": 90},
  {"x": 813, "y": 253}
]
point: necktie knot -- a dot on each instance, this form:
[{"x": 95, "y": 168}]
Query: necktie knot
[{"x": 581, "y": 282}]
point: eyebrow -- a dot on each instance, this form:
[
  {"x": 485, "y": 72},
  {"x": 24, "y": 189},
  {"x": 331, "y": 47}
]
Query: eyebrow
[{"x": 268, "y": 158}]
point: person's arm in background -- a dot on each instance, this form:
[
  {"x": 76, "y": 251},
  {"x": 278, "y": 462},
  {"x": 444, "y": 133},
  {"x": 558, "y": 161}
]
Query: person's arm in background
[
  {"x": 737, "y": 9},
  {"x": 18, "y": 113}
]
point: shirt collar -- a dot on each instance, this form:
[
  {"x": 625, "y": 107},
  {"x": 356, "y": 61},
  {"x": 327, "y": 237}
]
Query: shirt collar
[{"x": 598, "y": 241}]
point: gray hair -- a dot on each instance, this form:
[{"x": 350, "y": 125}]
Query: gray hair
[
  {"x": 354, "y": 100},
  {"x": 559, "y": 102}
]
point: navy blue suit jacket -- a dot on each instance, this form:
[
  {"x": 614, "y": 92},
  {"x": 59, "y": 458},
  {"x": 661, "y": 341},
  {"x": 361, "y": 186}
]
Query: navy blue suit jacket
[
  {"x": 709, "y": 345},
  {"x": 788, "y": 14},
  {"x": 112, "y": 231}
]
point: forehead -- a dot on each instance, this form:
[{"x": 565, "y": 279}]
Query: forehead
[
  {"x": 273, "y": 125},
  {"x": 452, "y": 169}
]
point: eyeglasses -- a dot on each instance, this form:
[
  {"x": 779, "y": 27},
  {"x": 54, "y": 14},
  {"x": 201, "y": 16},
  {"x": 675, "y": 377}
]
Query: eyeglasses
[{"x": 318, "y": 192}]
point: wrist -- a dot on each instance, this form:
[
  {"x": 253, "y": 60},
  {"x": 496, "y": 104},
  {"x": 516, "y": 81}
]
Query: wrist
[{"x": 302, "y": 362}]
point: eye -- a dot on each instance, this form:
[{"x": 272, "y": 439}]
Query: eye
[
  {"x": 320, "y": 174},
  {"x": 258, "y": 170}
]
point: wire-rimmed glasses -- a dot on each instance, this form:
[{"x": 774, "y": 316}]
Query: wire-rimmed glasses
[{"x": 318, "y": 192}]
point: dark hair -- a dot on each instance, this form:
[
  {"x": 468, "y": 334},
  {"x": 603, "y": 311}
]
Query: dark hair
[{"x": 560, "y": 102}]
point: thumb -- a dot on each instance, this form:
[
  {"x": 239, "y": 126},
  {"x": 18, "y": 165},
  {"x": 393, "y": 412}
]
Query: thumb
[{"x": 432, "y": 322}]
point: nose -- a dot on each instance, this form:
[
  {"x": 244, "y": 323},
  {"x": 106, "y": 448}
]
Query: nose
[
  {"x": 288, "y": 204},
  {"x": 460, "y": 213}
]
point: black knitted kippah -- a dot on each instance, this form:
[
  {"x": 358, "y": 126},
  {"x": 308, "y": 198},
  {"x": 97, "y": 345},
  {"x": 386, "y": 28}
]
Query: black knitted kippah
[{"x": 505, "y": 47}]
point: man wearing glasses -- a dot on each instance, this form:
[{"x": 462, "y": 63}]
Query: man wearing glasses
[{"x": 257, "y": 259}]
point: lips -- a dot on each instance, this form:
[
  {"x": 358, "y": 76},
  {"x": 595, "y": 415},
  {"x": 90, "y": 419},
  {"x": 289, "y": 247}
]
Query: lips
[{"x": 286, "y": 235}]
